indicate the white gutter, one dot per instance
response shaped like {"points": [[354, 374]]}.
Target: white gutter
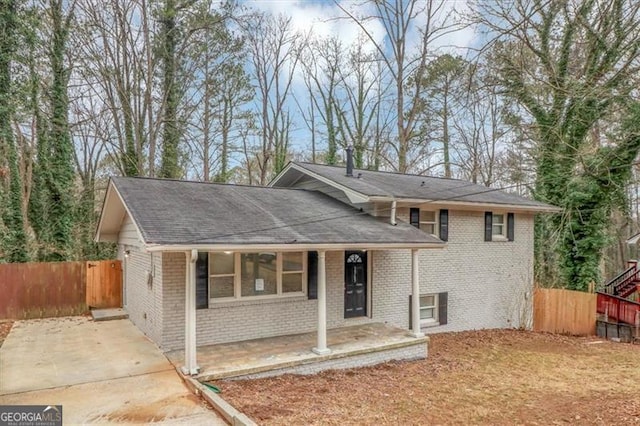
{"points": [[290, 247], [393, 213]]}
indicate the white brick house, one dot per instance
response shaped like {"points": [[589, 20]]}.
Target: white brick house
{"points": [[251, 259]]}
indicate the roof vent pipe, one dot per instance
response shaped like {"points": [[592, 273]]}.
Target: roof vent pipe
{"points": [[350, 161]]}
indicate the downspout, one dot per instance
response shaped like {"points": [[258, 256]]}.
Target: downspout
{"points": [[393, 213]]}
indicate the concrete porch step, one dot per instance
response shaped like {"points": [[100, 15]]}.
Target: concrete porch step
{"points": [[108, 314]]}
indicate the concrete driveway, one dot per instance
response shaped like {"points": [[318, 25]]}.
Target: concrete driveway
{"points": [[101, 372]]}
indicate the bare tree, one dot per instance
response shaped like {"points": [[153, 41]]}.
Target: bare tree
{"points": [[275, 50], [430, 20], [217, 90], [117, 64], [359, 108], [321, 64]]}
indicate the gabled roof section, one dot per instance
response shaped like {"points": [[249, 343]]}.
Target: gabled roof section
{"points": [[196, 214], [375, 185], [112, 216]]}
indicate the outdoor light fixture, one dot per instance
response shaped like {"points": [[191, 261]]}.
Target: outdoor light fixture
{"points": [[126, 253], [228, 252]]}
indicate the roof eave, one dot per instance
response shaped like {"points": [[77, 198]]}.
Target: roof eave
{"points": [[470, 205], [292, 247]]}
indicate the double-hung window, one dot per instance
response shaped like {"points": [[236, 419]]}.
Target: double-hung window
{"points": [[497, 225], [426, 220], [428, 309], [432, 222], [292, 272], [222, 273], [433, 309]]}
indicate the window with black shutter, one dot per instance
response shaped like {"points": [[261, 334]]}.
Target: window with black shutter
{"points": [[433, 309], [202, 280], [510, 226], [499, 226], [414, 217], [312, 275], [443, 226], [443, 301], [488, 226]]}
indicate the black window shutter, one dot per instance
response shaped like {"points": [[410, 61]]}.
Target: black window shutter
{"points": [[488, 226], [510, 226], [414, 216], [410, 311], [202, 280], [312, 275], [442, 307], [444, 225]]}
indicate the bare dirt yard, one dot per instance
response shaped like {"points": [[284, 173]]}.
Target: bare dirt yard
{"points": [[493, 377]]}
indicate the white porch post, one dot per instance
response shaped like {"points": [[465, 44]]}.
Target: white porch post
{"points": [[321, 348], [415, 295], [190, 365]]}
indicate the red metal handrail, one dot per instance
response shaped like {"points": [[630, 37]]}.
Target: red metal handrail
{"points": [[618, 308]]}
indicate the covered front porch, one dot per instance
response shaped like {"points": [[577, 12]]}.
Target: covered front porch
{"points": [[318, 349], [352, 346]]}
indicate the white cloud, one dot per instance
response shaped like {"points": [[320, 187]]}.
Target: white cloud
{"points": [[322, 18]]}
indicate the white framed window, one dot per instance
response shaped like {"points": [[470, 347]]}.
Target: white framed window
{"points": [[428, 309], [425, 220], [498, 225], [234, 276], [292, 272], [222, 275], [428, 221]]}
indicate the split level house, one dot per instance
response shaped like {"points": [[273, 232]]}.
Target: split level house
{"points": [[322, 247]]}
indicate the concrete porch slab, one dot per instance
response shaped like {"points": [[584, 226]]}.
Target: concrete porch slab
{"points": [[350, 347], [109, 314]]}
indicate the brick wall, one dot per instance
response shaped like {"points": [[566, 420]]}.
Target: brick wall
{"points": [[143, 300], [251, 319], [489, 286]]}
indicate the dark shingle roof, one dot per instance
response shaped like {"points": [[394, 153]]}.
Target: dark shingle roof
{"points": [[181, 212], [399, 185]]}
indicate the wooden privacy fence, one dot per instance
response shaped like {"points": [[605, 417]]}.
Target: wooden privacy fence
{"points": [[41, 290], [104, 284], [564, 311]]}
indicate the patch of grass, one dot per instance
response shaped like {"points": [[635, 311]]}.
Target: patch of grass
{"points": [[478, 377]]}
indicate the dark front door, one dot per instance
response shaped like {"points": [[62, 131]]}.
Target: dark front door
{"points": [[355, 284]]}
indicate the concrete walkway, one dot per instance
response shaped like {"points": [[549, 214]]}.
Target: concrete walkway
{"points": [[101, 372]]}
